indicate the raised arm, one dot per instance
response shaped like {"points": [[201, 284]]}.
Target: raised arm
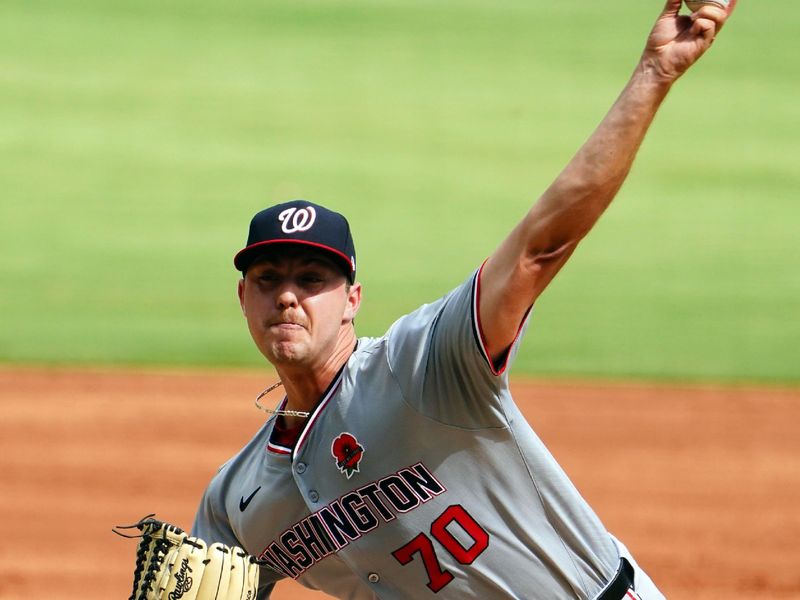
{"points": [[528, 259]]}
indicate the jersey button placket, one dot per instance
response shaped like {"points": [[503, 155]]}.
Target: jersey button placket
{"points": [[305, 480]]}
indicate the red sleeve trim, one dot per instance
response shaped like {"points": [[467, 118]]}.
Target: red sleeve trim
{"points": [[497, 369]]}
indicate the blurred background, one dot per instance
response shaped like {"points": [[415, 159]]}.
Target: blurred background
{"points": [[138, 137]]}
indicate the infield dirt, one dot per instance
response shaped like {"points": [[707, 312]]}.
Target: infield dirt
{"points": [[701, 483]]}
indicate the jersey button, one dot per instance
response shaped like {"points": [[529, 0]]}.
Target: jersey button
{"points": [[373, 578], [313, 495], [301, 467]]}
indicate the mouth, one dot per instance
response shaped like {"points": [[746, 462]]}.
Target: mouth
{"points": [[286, 326]]}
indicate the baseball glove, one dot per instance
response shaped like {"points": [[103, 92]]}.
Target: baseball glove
{"points": [[171, 565]]}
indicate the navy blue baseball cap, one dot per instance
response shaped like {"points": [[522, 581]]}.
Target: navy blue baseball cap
{"points": [[300, 222]]}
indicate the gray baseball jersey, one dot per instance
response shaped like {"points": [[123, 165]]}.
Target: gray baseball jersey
{"points": [[416, 475]]}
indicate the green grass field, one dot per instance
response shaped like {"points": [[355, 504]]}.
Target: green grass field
{"points": [[138, 137]]}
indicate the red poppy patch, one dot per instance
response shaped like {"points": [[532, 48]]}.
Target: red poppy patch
{"points": [[347, 452]]}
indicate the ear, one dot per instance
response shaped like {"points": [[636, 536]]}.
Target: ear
{"points": [[240, 291], [353, 303]]}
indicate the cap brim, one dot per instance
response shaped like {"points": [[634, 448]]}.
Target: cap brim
{"points": [[245, 257]]}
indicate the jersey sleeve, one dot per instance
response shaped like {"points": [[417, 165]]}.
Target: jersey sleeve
{"points": [[211, 525], [438, 357]]}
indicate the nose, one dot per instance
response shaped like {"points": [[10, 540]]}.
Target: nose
{"points": [[287, 297]]}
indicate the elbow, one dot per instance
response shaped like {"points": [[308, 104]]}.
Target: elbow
{"points": [[538, 259], [536, 262], [563, 217]]}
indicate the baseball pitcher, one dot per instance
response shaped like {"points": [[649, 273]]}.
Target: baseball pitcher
{"points": [[399, 467]]}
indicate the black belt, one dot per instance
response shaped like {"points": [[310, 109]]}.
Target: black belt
{"points": [[622, 582]]}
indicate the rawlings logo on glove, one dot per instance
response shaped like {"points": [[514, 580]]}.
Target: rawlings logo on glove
{"points": [[171, 565], [183, 583]]}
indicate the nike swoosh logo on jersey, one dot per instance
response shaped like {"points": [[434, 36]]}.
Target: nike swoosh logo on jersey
{"points": [[243, 503]]}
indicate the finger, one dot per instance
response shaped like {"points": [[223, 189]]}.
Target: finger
{"points": [[704, 28], [709, 13], [716, 13], [672, 8], [728, 12]]}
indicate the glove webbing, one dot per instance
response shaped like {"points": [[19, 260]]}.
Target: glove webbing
{"points": [[160, 546], [141, 555], [156, 540]]}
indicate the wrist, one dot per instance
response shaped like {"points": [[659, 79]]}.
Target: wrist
{"points": [[650, 76]]}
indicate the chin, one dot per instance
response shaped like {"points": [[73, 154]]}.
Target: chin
{"points": [[286, 353]]}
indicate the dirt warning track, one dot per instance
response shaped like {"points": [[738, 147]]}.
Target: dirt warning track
{"points": [[701, 483]]}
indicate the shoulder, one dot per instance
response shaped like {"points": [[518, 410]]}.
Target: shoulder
{"points": [[458, 301]]}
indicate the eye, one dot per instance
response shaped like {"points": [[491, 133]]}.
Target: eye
{"points": [[268, 277], [312, 278]]}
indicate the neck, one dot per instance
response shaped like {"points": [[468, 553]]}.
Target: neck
{"points": [[305, 384]]}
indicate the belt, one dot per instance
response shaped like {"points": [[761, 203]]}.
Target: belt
{"points": [[622, 582]]}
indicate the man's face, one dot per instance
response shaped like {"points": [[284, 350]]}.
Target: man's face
{"points": [[296, 302]]}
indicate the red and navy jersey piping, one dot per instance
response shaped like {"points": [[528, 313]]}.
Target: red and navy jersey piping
{"points": [[273, 445]]}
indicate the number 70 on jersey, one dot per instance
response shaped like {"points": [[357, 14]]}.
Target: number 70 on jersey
{"points": [[423, 544]]}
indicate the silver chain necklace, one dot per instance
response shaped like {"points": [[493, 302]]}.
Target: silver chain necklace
{"points": [[274, 411]]}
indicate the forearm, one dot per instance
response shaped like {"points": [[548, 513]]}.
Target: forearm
{"points": [[575, 200], [528, 259], [572, 204]]}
